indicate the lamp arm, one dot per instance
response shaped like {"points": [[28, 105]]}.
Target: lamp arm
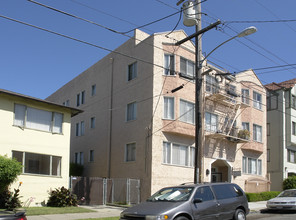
{"points": [[216, 49]]}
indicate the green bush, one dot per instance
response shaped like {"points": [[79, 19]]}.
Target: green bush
{"points": [[9, 170], [289, 183], [10, 200], [62, 197], [263, 196], [76, 169]]}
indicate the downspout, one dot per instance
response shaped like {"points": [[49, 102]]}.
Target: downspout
{"points": [[110, 119]]}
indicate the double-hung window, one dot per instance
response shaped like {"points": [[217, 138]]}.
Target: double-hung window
{"points": [[212, 85], [169, 65], [169, 108], [257, 133], [38, 119], [245, 96], [257, 100], [187, 112], [80, 98], [131, 111], [291, 156], [130, 152], [132, 71], [252, 166], [211, 122], [177, 154], [187, 67]]}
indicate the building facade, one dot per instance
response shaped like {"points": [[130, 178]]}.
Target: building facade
{"points": [[139, 121], [281, 131], [37, 134]]}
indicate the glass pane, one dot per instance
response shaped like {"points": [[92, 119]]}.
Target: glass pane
{"points": [[19, 115], [58, 123], [18, 156], [37, 164], [56, 166], [38, 119]]}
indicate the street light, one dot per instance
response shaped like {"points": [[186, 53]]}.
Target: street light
{"points": [[244, 33], [199, 142]]}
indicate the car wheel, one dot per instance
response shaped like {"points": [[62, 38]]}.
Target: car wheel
{"points": [[239, 215], [181, 218]]}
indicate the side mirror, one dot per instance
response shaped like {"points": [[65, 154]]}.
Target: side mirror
{"points": [[197, 200]]}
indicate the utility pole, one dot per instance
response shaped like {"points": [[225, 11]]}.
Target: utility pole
{"points": [[199, 110]]}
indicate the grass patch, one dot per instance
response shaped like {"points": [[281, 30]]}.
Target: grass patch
{"points": [[110, 218], [55, 210]]}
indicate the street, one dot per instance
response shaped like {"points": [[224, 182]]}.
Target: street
{"points": [[264, 214]]}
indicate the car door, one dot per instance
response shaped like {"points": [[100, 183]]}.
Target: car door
{"points": [[204, 204]]}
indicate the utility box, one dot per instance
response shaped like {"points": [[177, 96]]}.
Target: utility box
{"points": [[190, 13]]}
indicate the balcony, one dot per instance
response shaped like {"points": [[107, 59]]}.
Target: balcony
{"points": [[234, 134], [227, 97]]}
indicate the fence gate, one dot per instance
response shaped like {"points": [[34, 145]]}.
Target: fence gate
{"points": [[100, 191]]}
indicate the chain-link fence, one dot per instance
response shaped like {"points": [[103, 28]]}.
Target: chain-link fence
{"points": [[100, 191]]}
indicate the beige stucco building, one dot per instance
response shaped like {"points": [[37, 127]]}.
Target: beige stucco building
{"points": [[281, 136], [138, 120], [37, 134]]}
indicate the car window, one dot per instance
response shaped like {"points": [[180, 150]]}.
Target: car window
{"points": [[172, 194], [288, 193], [204, 193], [226, 191]]}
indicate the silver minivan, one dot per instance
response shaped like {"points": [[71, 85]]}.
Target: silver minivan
{"points": [[189, 202]]}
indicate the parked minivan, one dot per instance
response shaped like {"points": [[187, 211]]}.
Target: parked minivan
{"points": [[189, 202]]}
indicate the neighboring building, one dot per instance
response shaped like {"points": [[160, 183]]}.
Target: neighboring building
{"points": [[37, 134], [281, 131], [136, 124]]}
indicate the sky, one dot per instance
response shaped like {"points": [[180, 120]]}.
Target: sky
{"points": [[37, 62]]}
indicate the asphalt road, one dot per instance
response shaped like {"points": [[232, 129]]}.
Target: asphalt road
{"points": [[268, 215]]}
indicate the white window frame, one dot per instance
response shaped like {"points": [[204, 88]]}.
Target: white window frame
{"points": [[213, 119], [257, 100], [291, 156], [169, 69], [187, 111], [173, 152], [188, 64], [38, 119], [130, 152], [169, 108], [251, 166], [132, 71], [257, 133], [131, 111], [212, 85], [246, 96]]}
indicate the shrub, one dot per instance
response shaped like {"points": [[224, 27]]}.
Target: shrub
{"points": [[61, 197], [263, 196], [10, 200], [9, 170], [76, 169], [289, 183]]}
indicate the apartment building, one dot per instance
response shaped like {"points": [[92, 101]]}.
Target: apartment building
{"points": [[281, 131], [139, 121], [37, 133]]}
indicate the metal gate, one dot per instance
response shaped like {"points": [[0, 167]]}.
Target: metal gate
{"points": [[100, 191]]}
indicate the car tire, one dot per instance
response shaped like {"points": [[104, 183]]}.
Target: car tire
{"points": [[181, 218], [239, 215]]}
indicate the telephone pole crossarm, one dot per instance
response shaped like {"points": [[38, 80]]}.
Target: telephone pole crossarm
{"points": [[211, 26]]}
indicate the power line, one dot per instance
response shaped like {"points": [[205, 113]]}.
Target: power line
{"points": [[266, 21]]}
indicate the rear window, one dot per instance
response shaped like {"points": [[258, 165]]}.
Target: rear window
{"points": [[226, 191]]}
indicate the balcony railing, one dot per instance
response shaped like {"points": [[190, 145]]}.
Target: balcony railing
{"points": [[233, 134]]}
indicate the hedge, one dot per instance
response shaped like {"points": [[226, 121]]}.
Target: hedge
{"points": [[263, 196]]}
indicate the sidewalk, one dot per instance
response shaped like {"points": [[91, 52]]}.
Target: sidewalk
{"points": [[112, 211]]}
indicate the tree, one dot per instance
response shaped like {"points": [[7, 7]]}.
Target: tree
{"points": [[9, 170]]}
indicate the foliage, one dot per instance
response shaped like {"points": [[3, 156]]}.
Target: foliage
{"points": [[245, 134], [9, 170], [263, 196], [62, 197], [10, 200], [76, 169], [289, 183]]}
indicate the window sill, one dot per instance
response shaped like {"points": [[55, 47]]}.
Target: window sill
{"points": [[175, 165], [41, 175]]}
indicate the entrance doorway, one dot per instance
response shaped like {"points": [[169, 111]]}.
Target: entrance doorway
{"points": [[220, 171]]}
